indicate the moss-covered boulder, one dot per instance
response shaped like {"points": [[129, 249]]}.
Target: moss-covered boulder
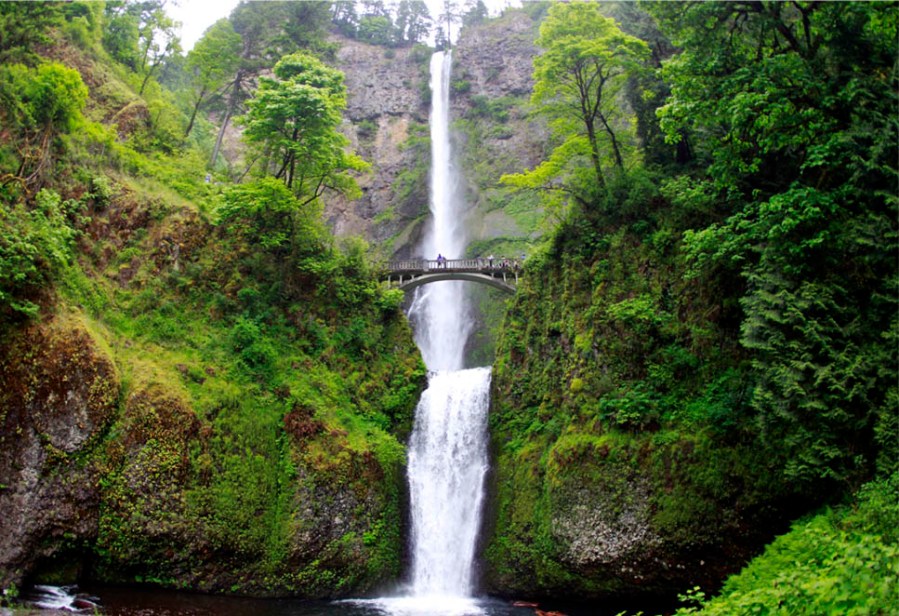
{"points": [[262, 499], [626, 462], [59, 391]]}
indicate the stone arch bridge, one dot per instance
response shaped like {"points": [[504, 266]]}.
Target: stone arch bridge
{"points": [[498, 273]]}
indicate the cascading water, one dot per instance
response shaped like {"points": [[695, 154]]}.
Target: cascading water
{"points": [[447, 463], [448, 447], [438, 310]]}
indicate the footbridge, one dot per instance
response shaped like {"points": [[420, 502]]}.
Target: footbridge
{"points": [[498, 273]]}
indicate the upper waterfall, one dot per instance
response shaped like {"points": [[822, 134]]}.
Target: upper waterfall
{"points": [[439, 311]]}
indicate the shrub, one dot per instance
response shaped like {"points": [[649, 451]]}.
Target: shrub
{"points": [[34, 244]]}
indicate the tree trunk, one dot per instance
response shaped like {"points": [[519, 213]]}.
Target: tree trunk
{"points": [[619, 161], [594, 154], [232, 106], [193, 115], [146, 79]]}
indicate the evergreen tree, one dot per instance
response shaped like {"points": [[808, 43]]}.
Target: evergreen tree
{"points": [[792, 108]]}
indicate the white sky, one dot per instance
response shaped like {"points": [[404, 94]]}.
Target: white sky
{"points": [[197, 15]]}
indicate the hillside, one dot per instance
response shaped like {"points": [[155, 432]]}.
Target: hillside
{"points": [[703, 349], [200, 387]]}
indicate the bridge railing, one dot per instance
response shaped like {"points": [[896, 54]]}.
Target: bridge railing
{"points": [[481, 264]]}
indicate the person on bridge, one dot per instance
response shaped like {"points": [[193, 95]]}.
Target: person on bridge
{"points": [[441, 261], [490, 261]]}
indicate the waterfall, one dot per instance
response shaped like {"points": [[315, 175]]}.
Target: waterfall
{"points": [[439, 310], [448, 448], [447, 460], [447, 463]]}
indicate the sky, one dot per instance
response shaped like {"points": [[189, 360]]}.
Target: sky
{"points": [[197, 15]]}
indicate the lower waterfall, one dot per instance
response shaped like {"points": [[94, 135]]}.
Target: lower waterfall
{"points": [[447, 465]]}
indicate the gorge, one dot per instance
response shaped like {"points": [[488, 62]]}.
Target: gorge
{"points": [[204, 386]]}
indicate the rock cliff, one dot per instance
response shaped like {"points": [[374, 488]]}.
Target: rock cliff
{"points": [[59, 390], [387, 123], [493, 134], [388, 96], [605, 485], [132, 450]]}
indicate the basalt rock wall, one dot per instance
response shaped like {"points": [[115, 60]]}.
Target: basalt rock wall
{"points": [[59, 390], [387, 123]]}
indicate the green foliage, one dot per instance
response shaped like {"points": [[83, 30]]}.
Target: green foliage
{"points": [[39, 104], [586, 61], [211, 63], [35, 244], [267, 214], [294, 117], [795, 162], [735, 316], [264, 366], [24, 25], [829, 564]]}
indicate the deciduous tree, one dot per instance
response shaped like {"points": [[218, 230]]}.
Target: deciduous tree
{"points": [[211, 62], [294, 118], [578, 78]]}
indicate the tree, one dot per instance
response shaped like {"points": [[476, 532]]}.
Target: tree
{"points": [[577, 81], [121, 32], [23, 25], [39, 105], [294, 118], [475, 12], [268, 31], [158, 40], [792, 107], [211, 62], [376, 29], [451, 14], [413, 22], [344, 16]]}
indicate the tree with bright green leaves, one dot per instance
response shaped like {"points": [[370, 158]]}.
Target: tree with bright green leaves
{"points": [[791, 112], [578, 84], [39, 105], [293, 118], [158, 40], [121, 32], [268, 31], [211, 63]]}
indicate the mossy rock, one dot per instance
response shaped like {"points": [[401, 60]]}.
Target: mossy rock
{"points": [[59, 393]]}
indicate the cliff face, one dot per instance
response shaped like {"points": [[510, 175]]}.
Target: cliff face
{"points": [[606, 483], [59, 393], [493, 135], [148, 434], [387, 123], [388, 98]]}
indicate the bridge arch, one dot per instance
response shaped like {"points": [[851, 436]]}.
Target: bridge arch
{"points": [[500, 274], [496, 283]]}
